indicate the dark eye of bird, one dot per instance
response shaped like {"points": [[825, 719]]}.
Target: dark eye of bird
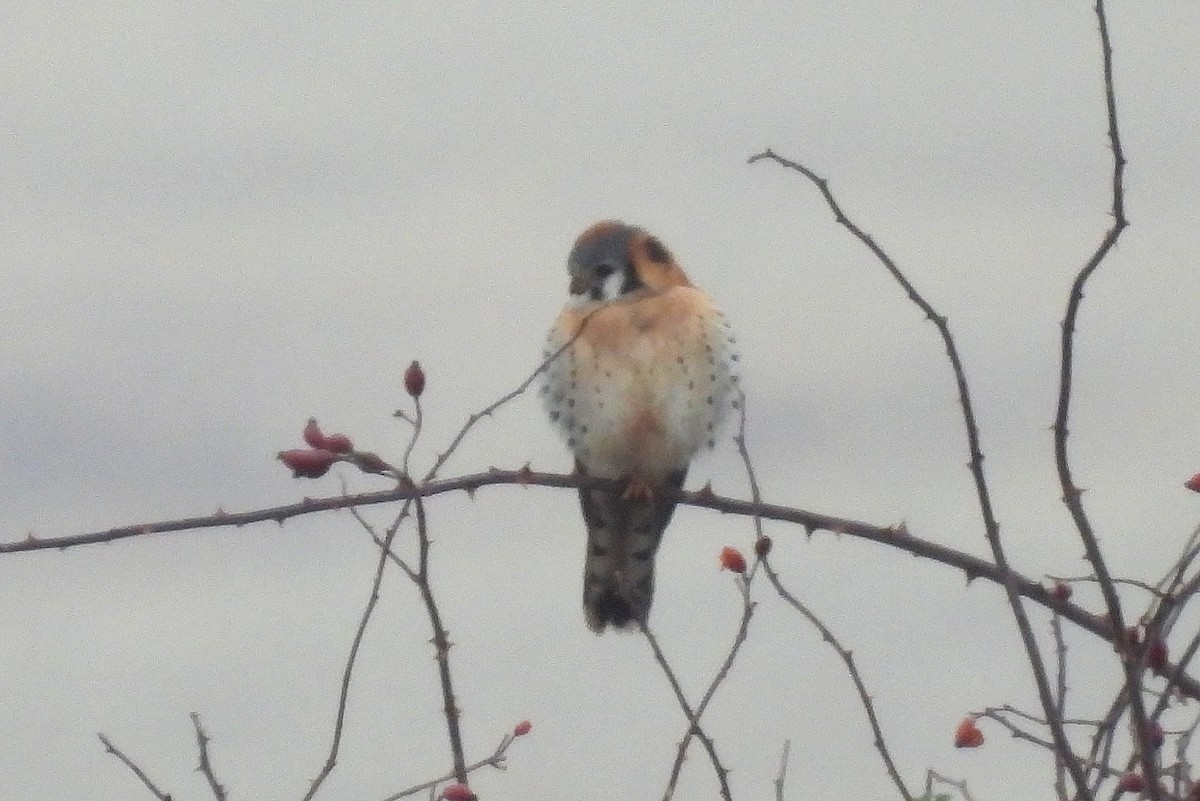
{"points": [[632, 282], [604, 270]]}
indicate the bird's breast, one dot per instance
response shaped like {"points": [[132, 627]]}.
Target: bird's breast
{"points": [[643, 385]]}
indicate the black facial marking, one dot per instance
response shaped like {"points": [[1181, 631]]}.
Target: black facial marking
{"points": [[656, 252], [631, 282]]}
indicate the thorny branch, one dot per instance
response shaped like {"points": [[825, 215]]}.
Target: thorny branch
{"points": [[496, 760], [1072, 496], [441, 647], [692, 715], [848, 658], [348, 671], [781, 777], [975, 464], [1132, 666], [205, 768], [129, 763], [960, 785], [891, 536]]}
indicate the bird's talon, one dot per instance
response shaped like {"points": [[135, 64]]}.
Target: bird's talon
{"points": [[638, 489]]}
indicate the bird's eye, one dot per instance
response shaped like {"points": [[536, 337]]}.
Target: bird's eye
{"points": [[604, 271]]}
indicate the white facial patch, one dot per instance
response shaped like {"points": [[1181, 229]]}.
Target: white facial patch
{"points": [[610, 289]]}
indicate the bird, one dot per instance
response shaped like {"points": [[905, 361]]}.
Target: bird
{"points": [[639, 373]]}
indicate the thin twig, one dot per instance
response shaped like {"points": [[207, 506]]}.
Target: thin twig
{"points": [[491, 408], [693, 718], [205, 767], [351, 660], [137, 771], [722, 672], [1141, 585], [416, 434], [847, 657], [782, 775], [497, 760], [441, 648], [744, 452], [1071, 494], [957, 784], [998, 714], [1060, 706]]}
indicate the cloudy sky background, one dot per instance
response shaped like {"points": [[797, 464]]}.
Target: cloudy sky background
{"points": [[218, 220]]}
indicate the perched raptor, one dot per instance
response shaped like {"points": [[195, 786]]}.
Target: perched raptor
{"points": [[643, 380]]}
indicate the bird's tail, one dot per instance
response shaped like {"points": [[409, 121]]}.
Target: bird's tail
{"points": [[623, 538]]}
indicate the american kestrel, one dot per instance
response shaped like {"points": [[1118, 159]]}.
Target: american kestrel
{"points": [[643, 381]]}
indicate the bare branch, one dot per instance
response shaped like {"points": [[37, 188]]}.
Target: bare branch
{"points": [[441, 648], [205, 767], [1071, 494], [497, 760], [975, 464], [129, 763], [1060, 706], [693, 717], [351, 659], [892, 536], [722, 672], [848, 658], [417, 420], [782, 775], [491, 408], [960, 785]]}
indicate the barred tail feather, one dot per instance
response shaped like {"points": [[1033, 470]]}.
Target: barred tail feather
{"points": [[623, 538]]}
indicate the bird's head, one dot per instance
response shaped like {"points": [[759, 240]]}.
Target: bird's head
{"points": [[612, 260]]}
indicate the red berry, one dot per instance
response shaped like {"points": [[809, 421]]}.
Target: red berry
{"points": [[1131, 783], [313, 435], [1156, 655], [522, 728], [414, 379], [968, 735], [458, 792], [762, 545], [1193, 483], [338, 443], [1061, 591], [305, 463], [732, 559]]}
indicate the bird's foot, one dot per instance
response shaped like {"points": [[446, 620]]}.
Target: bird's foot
{"points": [[638, 489]]}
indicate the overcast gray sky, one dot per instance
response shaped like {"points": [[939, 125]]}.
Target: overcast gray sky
{"points": [[219, 219]]}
